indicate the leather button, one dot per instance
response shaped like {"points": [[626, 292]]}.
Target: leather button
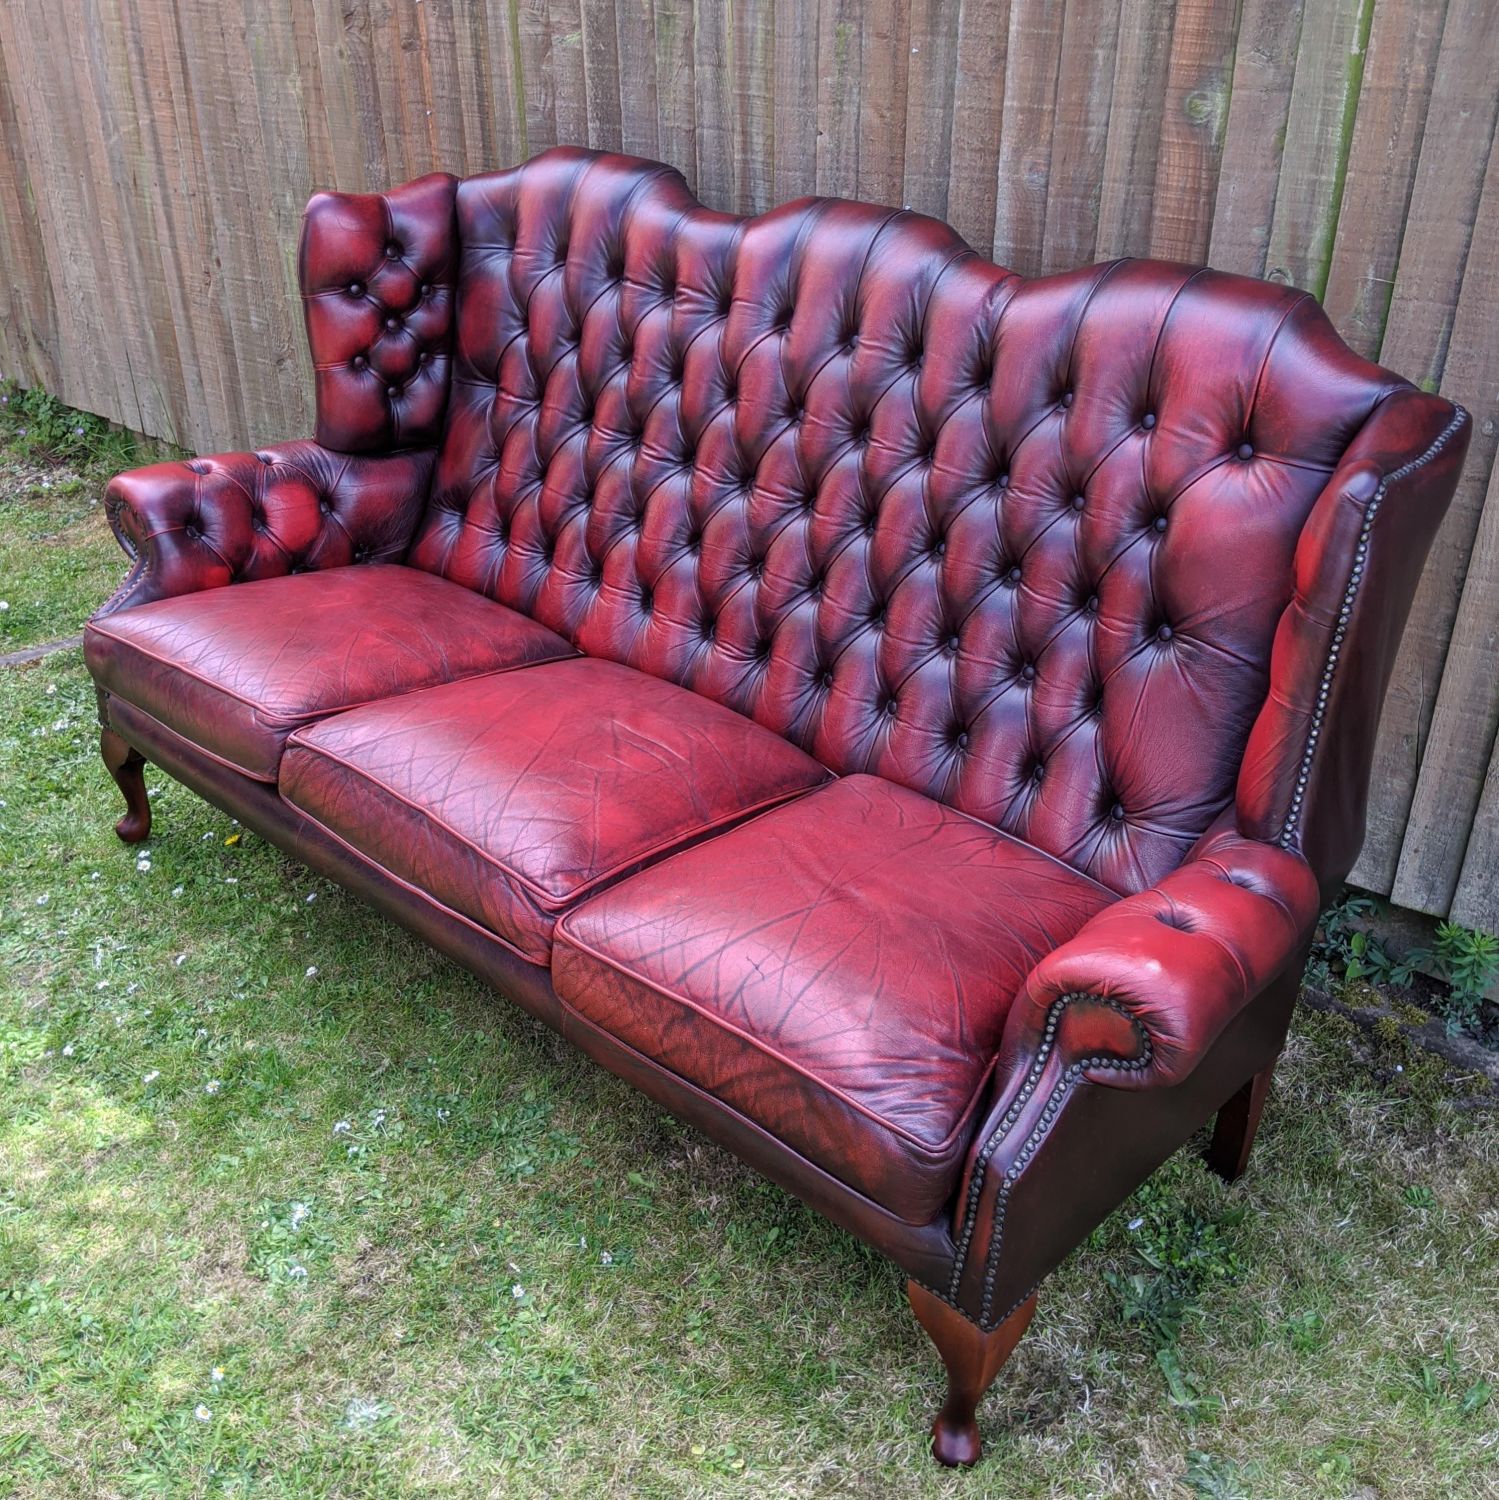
{"points": [[1013, 576], [1092, 605], [1078, 502], [359, 361], [392, 251], [953, 643], [962, 741], [1028, 671], [1116, 812], [1003, 481], [1164, 633], [826, 679], [192, 531], [392, 324], [1148, 420], [1246, 450], [1159, 523], [1067, 398], [392, 391], [425, 289], [356, 289]]}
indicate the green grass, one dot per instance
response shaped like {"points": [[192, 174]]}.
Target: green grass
{"points": [[290, 1206], [58, 559]]}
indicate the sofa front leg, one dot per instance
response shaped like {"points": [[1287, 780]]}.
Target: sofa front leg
{"points": [[126, 764], [973, 1358], [1234, 1131]]}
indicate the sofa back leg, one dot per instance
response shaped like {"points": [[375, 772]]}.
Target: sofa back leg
{"points": [[973, 1358], [126, 764], [1238, 1120]]}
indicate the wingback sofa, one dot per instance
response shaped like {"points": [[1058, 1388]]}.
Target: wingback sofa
{"points": [[901, 716]]}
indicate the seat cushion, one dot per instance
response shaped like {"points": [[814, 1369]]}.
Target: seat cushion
{"points": [[236, 670], [510, 798], [837, 971]]}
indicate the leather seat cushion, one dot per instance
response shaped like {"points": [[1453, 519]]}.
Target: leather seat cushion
{"points": [[510, 798], [837, 971], [236, 670]]}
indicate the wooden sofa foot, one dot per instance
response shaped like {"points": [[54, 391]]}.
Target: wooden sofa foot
{"points": [[973, 1358], [126, 764], [1238, 1120]]}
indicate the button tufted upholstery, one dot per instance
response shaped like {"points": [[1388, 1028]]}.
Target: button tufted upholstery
{"points": [[377, 290], [236, 517], [1086, 590], [838, 970], [512, 798], [237, 670], [1018, 546]]}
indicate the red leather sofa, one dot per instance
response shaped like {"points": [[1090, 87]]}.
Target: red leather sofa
{"points": [[901, 716]]}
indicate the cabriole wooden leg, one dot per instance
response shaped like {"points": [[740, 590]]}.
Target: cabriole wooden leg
{"points": [[1233, 1134], [126, 766], [973, 1358]]}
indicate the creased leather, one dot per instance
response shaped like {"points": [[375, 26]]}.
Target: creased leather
{"points": [[1021, 546], [510, 798], [236, 670], [838, 970]]}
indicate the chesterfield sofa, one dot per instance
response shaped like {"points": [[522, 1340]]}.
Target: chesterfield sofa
{"points": [[901, 716]]}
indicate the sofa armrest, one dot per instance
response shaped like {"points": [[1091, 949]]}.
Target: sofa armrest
{"points": [[208, 522], [1135, 1001]]}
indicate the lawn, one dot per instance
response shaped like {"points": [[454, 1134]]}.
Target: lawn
{"points": [[291, 1206]]}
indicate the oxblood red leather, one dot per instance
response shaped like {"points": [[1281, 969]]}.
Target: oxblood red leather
{"points": [[377, 289], [241, 516], [997, 540], [511, 798], [237, 670], [1086, 587], [838, 971]]}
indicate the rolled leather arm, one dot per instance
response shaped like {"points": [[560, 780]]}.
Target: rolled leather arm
{"points": [[208, 522], [1134, 1001]]}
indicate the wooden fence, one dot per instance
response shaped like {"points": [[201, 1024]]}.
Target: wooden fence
{"points": [[155, 156]]}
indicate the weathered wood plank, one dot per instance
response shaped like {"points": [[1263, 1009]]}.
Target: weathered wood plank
{"points": [[601, 75], [884, 67], [635, 24], [676, 105], [838, 58], [794, 173], [1079, 133], [1456, 616], [1451, 851], [1197, 96], [977, 116], [1137, 98], [1255, 136], [1033, 58], [754, 105], [1319, 133], [716, 179], [1382, 161], [929, 105], [569, 75], [1444, 203]]}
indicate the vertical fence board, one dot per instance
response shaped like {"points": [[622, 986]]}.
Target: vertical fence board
{"points": [[1198, 81], [1319, 131], [1455, 149], [1033, 60], [1080, 131], [929, 105], [977, 112], [1382, 167], [1136, 100], [796, 71]]}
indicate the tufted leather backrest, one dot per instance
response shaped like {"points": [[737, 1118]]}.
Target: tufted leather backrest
{"points": [[1020, 545], [377, 272]]}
